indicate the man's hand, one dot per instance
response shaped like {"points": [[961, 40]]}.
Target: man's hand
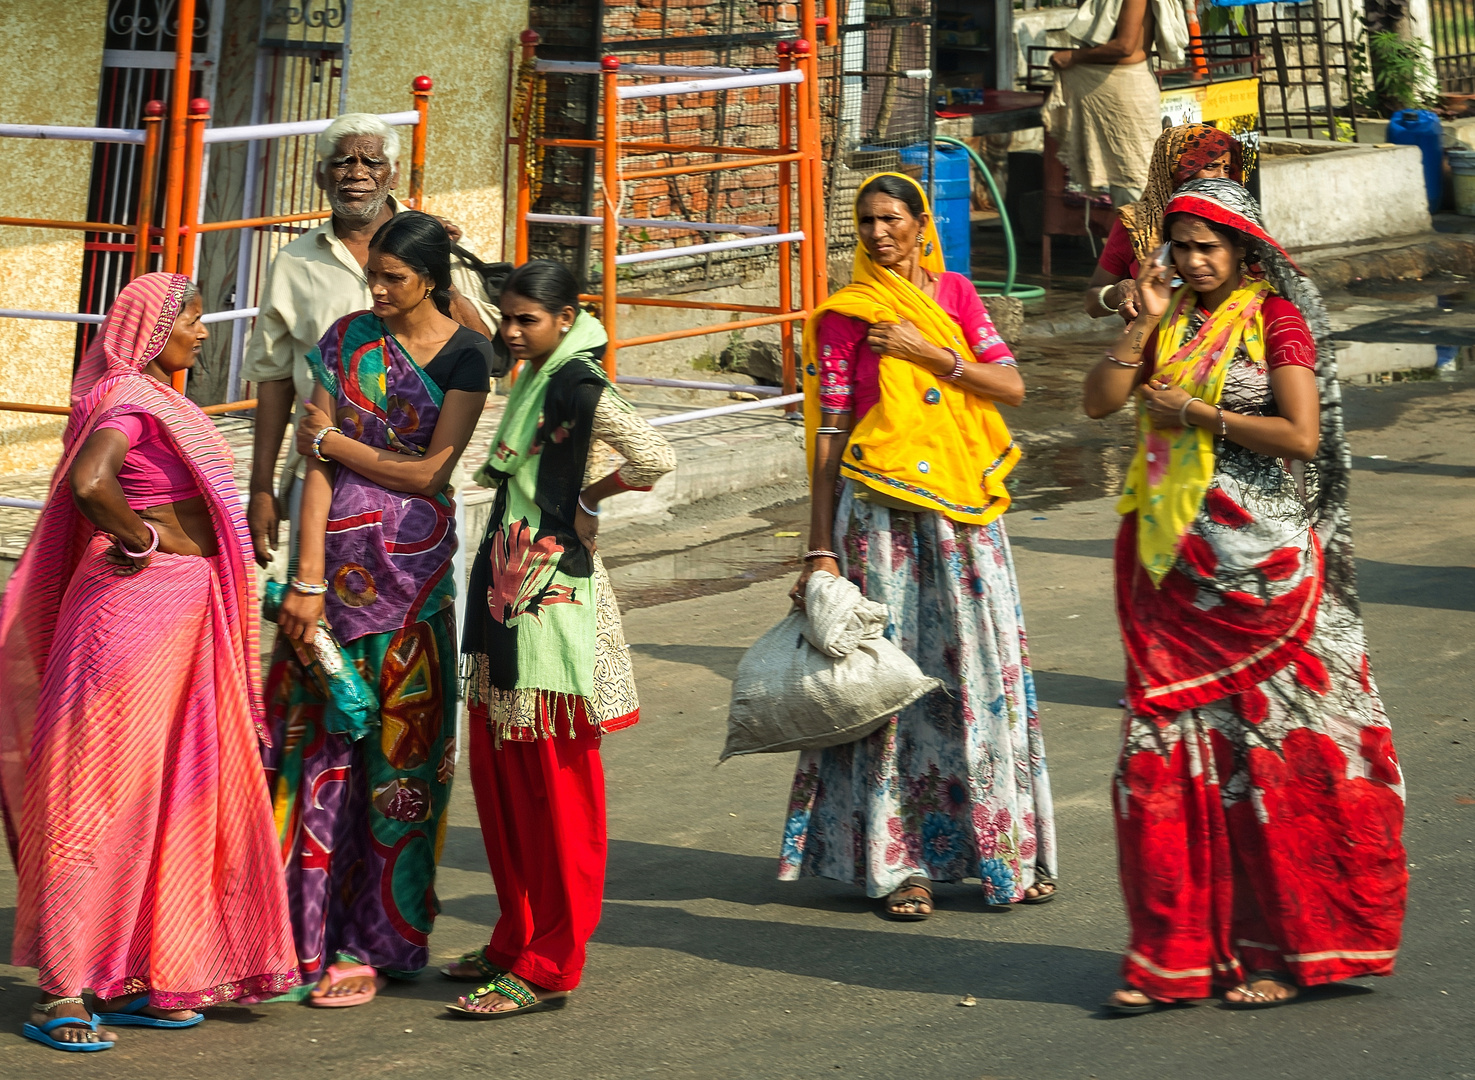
{"points": [[1062, 59], [452, 229], [262, 520]]}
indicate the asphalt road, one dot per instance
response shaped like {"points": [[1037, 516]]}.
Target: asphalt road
{"points": [[706, 966]]}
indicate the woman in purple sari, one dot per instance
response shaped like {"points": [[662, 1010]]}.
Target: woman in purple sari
{"points": [[361, 807]]}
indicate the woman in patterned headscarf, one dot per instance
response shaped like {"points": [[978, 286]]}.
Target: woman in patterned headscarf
{"points": [[131, 709], [1183, 153], [1258, 800]]}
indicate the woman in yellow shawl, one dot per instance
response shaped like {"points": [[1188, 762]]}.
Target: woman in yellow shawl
{"points": [[1258, 801], [909, 453]]}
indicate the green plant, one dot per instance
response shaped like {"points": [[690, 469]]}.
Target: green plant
{"points": [[1396, 73]]}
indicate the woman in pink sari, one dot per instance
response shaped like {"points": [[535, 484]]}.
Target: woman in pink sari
{"points": [[134, 803]]}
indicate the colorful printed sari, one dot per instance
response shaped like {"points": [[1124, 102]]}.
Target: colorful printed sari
{"points": [[134, 804], [955, 785], [361, 816], [1259, 802]]}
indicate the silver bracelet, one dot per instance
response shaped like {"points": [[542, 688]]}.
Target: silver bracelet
{"points": [[957, 372], [832, 431], [1183, 412], [1101, 300], [821, 553], [1123, 363], [591, 513], [308, 588], [1223, 423]]}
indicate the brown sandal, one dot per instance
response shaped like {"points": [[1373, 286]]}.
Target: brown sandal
{"points": [[912, 886]]}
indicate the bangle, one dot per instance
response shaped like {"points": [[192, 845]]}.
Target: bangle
{"points": [[821, 553], [832, 431], [1223, 423], [1101, 300], [317, 442], [957, 372], [307, 588], [1123, 363], [144, 554], [1183, 412], [591, 513]]}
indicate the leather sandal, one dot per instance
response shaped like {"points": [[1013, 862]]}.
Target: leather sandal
{"points": [[895, 900], [1258, 999]]}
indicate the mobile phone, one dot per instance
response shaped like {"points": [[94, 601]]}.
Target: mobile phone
{"points": [[1160, 256]]}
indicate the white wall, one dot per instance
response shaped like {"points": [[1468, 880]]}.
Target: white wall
{"points": [[1350, 194]]}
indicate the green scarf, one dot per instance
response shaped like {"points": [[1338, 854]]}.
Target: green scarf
{"points": [[550, 614]]}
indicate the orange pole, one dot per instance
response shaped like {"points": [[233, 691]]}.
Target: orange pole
{"points": [[711, 166], [194, 170], [153, 115], [810, 143], [785, 222], [79, 226], [696, 305], [178, 111], [23, 406], [421, 87], [529, 41], [250, 223], [715, 328], [832, 22], [1196, 43], [610, 66], [809, 246]]}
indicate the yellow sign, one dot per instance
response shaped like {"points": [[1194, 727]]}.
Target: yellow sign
{"points": [[1222, 100]]}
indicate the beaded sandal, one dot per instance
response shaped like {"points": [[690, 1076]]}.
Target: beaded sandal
{"points": [[514, 991]]}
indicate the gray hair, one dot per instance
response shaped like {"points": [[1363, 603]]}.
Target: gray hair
{"points": [[358, 123], [191, 291]]}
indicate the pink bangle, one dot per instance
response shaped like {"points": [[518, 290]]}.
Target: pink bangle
{"points": [[957, 372], [147, 551]]}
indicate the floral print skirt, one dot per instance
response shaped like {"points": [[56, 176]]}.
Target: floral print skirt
{"points": [[955, 785]]}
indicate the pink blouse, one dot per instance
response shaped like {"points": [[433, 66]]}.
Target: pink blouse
{"points": [[850, 371], [153, 473]]}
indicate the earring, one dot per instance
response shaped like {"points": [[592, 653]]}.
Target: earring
{"points": [[563, 330], [921, 237], [428, 292]]}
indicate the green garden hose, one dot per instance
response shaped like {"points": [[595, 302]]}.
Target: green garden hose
{"points": [[1006, 287]]}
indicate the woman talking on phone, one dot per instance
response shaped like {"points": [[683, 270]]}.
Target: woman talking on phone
{"points": [[1258, 800]]}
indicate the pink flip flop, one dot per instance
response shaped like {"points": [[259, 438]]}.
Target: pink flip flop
{"points": [[318, 999]]}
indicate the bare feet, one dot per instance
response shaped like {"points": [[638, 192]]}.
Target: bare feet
{"points": [[69, 1007], [1261, 991], [120, 1004], [497, 1002]]}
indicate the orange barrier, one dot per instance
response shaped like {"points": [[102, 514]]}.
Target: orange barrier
{"points": [[797, 158]]}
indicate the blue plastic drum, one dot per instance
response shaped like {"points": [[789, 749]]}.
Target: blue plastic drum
{"points": [[951, 202], [1421, 128]]}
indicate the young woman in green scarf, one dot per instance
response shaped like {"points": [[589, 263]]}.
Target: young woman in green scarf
{"points": [[548, 669]]}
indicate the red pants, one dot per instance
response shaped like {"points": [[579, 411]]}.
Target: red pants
{"points": [[541, 806]]}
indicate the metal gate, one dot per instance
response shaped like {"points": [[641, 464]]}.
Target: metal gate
{"points": [[1453, 30], [138, 67], [1306, 54]]}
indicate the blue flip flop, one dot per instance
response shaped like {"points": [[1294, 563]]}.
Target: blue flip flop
{"points": [[41, 1033], [131, 1015]]}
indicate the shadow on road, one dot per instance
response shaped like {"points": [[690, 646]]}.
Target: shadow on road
{"points": [[1061, 688], [1448, 587], [719, 659]]}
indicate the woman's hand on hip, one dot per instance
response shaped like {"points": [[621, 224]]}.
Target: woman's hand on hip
{"points": [[825, 563], [1164, 403], [312, 421], [586, 525], [904, 341], [299, 616]]}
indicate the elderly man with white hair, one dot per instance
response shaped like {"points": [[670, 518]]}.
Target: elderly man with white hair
{"points": [[314, 281]]}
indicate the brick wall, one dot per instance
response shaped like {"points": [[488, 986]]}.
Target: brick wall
{"points": [[737, 33]]}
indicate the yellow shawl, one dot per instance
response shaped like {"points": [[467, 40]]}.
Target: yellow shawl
{"points": [[927, 442], [1170, 474]]}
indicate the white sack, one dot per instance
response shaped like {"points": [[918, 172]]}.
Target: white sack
{"points": [[821, 679]]}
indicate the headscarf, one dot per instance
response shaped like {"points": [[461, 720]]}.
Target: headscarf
{"points": [[1178, 153], [1326, 476], [111, 382], [927, 441], [135, 333]]}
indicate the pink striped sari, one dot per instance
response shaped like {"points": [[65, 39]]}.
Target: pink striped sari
{"points": [[134, 802]]}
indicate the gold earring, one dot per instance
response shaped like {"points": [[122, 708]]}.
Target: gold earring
{"points": [[428, 292]]}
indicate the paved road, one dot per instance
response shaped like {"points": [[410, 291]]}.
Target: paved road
{"points": [[705, 966]]}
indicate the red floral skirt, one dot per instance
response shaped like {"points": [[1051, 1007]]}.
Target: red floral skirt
{"points": [[1258, 827]]}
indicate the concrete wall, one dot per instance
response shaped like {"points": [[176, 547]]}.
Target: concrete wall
{"points": [[1317, 193], [41, 270], [464, 46]]}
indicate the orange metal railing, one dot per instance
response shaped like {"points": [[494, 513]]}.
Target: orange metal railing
{"points": [[799, 168]]}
